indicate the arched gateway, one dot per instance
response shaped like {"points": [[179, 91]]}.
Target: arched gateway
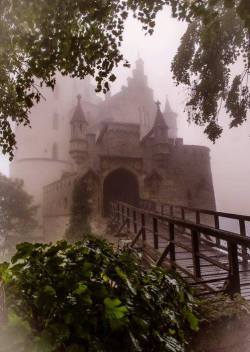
{"points": [[121, 185]]}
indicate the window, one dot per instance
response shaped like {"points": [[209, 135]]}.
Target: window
{"points": [[55, 152], [55, 122]]}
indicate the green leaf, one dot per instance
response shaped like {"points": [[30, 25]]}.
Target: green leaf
{"points": [[192, 320], [23, 251], [82, 288], [124, 277], [114, 310], [49, 290]]}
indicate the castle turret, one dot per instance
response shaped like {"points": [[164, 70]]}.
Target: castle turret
{"points": [[160, 131], [78, 142], [139, 77]]}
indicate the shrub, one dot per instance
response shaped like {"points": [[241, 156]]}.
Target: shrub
{"points": [[88, 297]]}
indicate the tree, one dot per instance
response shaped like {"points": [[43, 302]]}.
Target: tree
{"points": [[217, 37], [16, 213], [79, 224], [83, 37]]}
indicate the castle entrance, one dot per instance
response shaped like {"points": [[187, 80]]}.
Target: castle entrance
{"points": [[121, 185]]}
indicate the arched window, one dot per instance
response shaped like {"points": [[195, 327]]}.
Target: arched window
{"points": [[55, 152], [55, 122]]}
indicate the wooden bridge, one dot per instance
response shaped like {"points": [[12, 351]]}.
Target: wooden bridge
{"points": [[190, 241]]}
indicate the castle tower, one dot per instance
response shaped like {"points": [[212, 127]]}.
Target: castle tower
{"points": [[42, 155], [78, 141], [160, 132], [134, 103], [139, 78]]}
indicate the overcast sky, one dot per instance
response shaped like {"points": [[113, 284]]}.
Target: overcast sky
{"points": [[229, 156]]}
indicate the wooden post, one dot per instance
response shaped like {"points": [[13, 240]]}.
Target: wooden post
{"points": [[182, 213], [118, 212], [234, 276], [111, 210], [217, 226], [171, 240], [197, 217], [123, 214], [162, 209], [134, 221], [244, 248], [195, 253], [3, 309], [155, 232], [128, 219], [171, 210], [143, 223]]}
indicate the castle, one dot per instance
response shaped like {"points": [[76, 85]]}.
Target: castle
{"points": [[123, 146]]}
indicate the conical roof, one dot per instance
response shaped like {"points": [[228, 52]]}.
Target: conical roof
{"points": [[140, 65], [168, 109], [78, 115], [159, 119]]}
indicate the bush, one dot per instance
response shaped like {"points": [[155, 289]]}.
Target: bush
{"points": [[88, 297]]}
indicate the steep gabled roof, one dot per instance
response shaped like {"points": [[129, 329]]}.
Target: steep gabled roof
{"points": [[159, 122], [78, 115]]}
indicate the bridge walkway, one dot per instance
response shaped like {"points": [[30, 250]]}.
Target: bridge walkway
{"points": [[209, 259]]}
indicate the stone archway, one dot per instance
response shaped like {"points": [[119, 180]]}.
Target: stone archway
{"points": [[121, 185]]}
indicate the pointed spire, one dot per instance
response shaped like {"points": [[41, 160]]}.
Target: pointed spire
{"points": [[159, 119], [168, 108], [140, 65], [78, 115], [167, 105]]}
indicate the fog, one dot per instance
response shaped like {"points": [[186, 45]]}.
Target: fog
{"points": [[229, 156]]}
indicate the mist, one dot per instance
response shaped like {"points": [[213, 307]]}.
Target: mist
{"points": [[229, 155], [104, 189]]}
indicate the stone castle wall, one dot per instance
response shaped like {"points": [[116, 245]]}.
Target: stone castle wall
{"points": [[185, 178], [126, 131], [57, 200]]}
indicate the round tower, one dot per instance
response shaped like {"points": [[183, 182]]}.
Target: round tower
{"points": [[42, 155]]}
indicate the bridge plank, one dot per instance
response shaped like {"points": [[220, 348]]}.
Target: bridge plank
{"points": [[212, 260]]}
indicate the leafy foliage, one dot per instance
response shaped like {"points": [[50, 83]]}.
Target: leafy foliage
{"points": [[217, 38], [16, 213], [87, 297], [83, 37], [80, 212]]}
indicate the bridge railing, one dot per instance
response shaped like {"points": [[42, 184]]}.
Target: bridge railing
{"points": [[211, 218], [146, 223], [3, 313]]}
